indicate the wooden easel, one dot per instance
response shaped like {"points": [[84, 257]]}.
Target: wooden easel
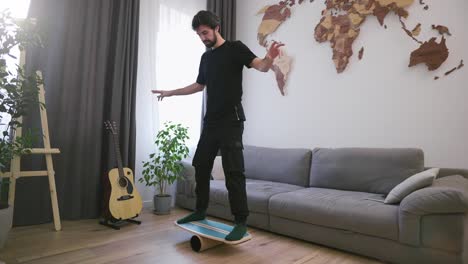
{"points": [[15, 168]]}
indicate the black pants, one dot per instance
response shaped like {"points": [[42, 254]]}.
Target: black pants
{"points": [[228, 138]]}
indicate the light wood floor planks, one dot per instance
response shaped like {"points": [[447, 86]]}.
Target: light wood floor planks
{"points": [[156, 240]]}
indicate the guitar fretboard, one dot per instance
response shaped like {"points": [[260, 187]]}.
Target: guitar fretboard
{"points": [[118, 155]]}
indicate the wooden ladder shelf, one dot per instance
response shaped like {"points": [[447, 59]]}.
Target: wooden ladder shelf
{"points": [[15, 168]]}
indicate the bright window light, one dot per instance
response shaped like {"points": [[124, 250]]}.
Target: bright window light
{"points": [[179, 50], [18, 8]]}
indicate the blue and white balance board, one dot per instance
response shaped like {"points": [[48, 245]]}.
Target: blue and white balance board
{"points": [[208, 233]]}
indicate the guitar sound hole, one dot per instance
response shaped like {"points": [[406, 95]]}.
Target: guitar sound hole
{"points": [[123, 182]]}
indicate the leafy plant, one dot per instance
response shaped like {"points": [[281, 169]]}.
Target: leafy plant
{"points": [[18, 90], [164, 166]]}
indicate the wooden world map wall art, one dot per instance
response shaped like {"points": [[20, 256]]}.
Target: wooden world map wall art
{"points": [[340, 26]]}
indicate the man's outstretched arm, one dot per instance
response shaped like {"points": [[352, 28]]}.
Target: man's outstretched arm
{"points": [[264, 64], [190, 89]]}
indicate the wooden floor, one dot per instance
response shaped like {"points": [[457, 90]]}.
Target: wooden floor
{"points": [[156, 240]]}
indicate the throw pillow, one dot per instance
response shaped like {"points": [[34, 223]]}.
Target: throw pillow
{"points": [[411, 184]]}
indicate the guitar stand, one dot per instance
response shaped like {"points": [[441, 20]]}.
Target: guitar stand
{"points": [[116, 224]]}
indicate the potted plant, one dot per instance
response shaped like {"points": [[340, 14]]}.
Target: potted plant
{"points": [[164, 166], [18, 91]]}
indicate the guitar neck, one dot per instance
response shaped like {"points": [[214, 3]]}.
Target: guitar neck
{"points": [[118, 155]]}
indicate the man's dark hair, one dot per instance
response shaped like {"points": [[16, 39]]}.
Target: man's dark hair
{"points": [[205, 18]]}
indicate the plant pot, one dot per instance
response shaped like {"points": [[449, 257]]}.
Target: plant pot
{"points": [[162, 204], [6, 219]]}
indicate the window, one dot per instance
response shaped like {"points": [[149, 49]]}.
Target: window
{"points": [[169, 56], [178, 53], [169, 53], [18, 9]]}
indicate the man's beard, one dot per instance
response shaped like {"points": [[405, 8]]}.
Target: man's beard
{"points": [[209, 44]]}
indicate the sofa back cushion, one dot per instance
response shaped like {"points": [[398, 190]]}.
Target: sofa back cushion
{"points": [[290, 166], [373, 170]]}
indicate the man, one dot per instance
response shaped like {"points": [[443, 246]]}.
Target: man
{"points": [[221, 72]]}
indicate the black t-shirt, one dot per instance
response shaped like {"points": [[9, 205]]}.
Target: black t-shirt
{"points": [[221, 71]]}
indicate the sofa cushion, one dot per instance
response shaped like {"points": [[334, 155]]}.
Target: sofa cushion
{"points": [[371, 170], [413, 183], [258, 193], [218, 172], [291, 166], [358, 212]]}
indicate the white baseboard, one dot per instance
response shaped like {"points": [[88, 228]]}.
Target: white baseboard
{"points": [[146, 205]]}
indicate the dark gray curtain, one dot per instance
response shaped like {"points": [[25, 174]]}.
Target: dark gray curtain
{"points": [[89, 64], [226, 11]]}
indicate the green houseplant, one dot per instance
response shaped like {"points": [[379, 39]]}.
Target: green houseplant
{"points": [[164, 167], [18, 91]]}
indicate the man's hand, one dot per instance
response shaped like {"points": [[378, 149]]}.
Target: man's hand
{"points": [[264, 64], [162, 94], [274, 50]]}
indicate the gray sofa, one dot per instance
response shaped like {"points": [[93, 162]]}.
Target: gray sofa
{"points": [[334, 197]]}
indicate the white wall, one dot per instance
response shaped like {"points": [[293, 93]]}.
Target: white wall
{"points": [[376, 102]]}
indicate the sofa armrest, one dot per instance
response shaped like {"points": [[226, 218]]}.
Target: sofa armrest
{"points": [[188, 173], [435, 200], [186, 183], [448, 195]]}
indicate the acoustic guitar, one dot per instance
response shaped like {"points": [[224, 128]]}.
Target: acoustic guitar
{"points": [[125, 202]]}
